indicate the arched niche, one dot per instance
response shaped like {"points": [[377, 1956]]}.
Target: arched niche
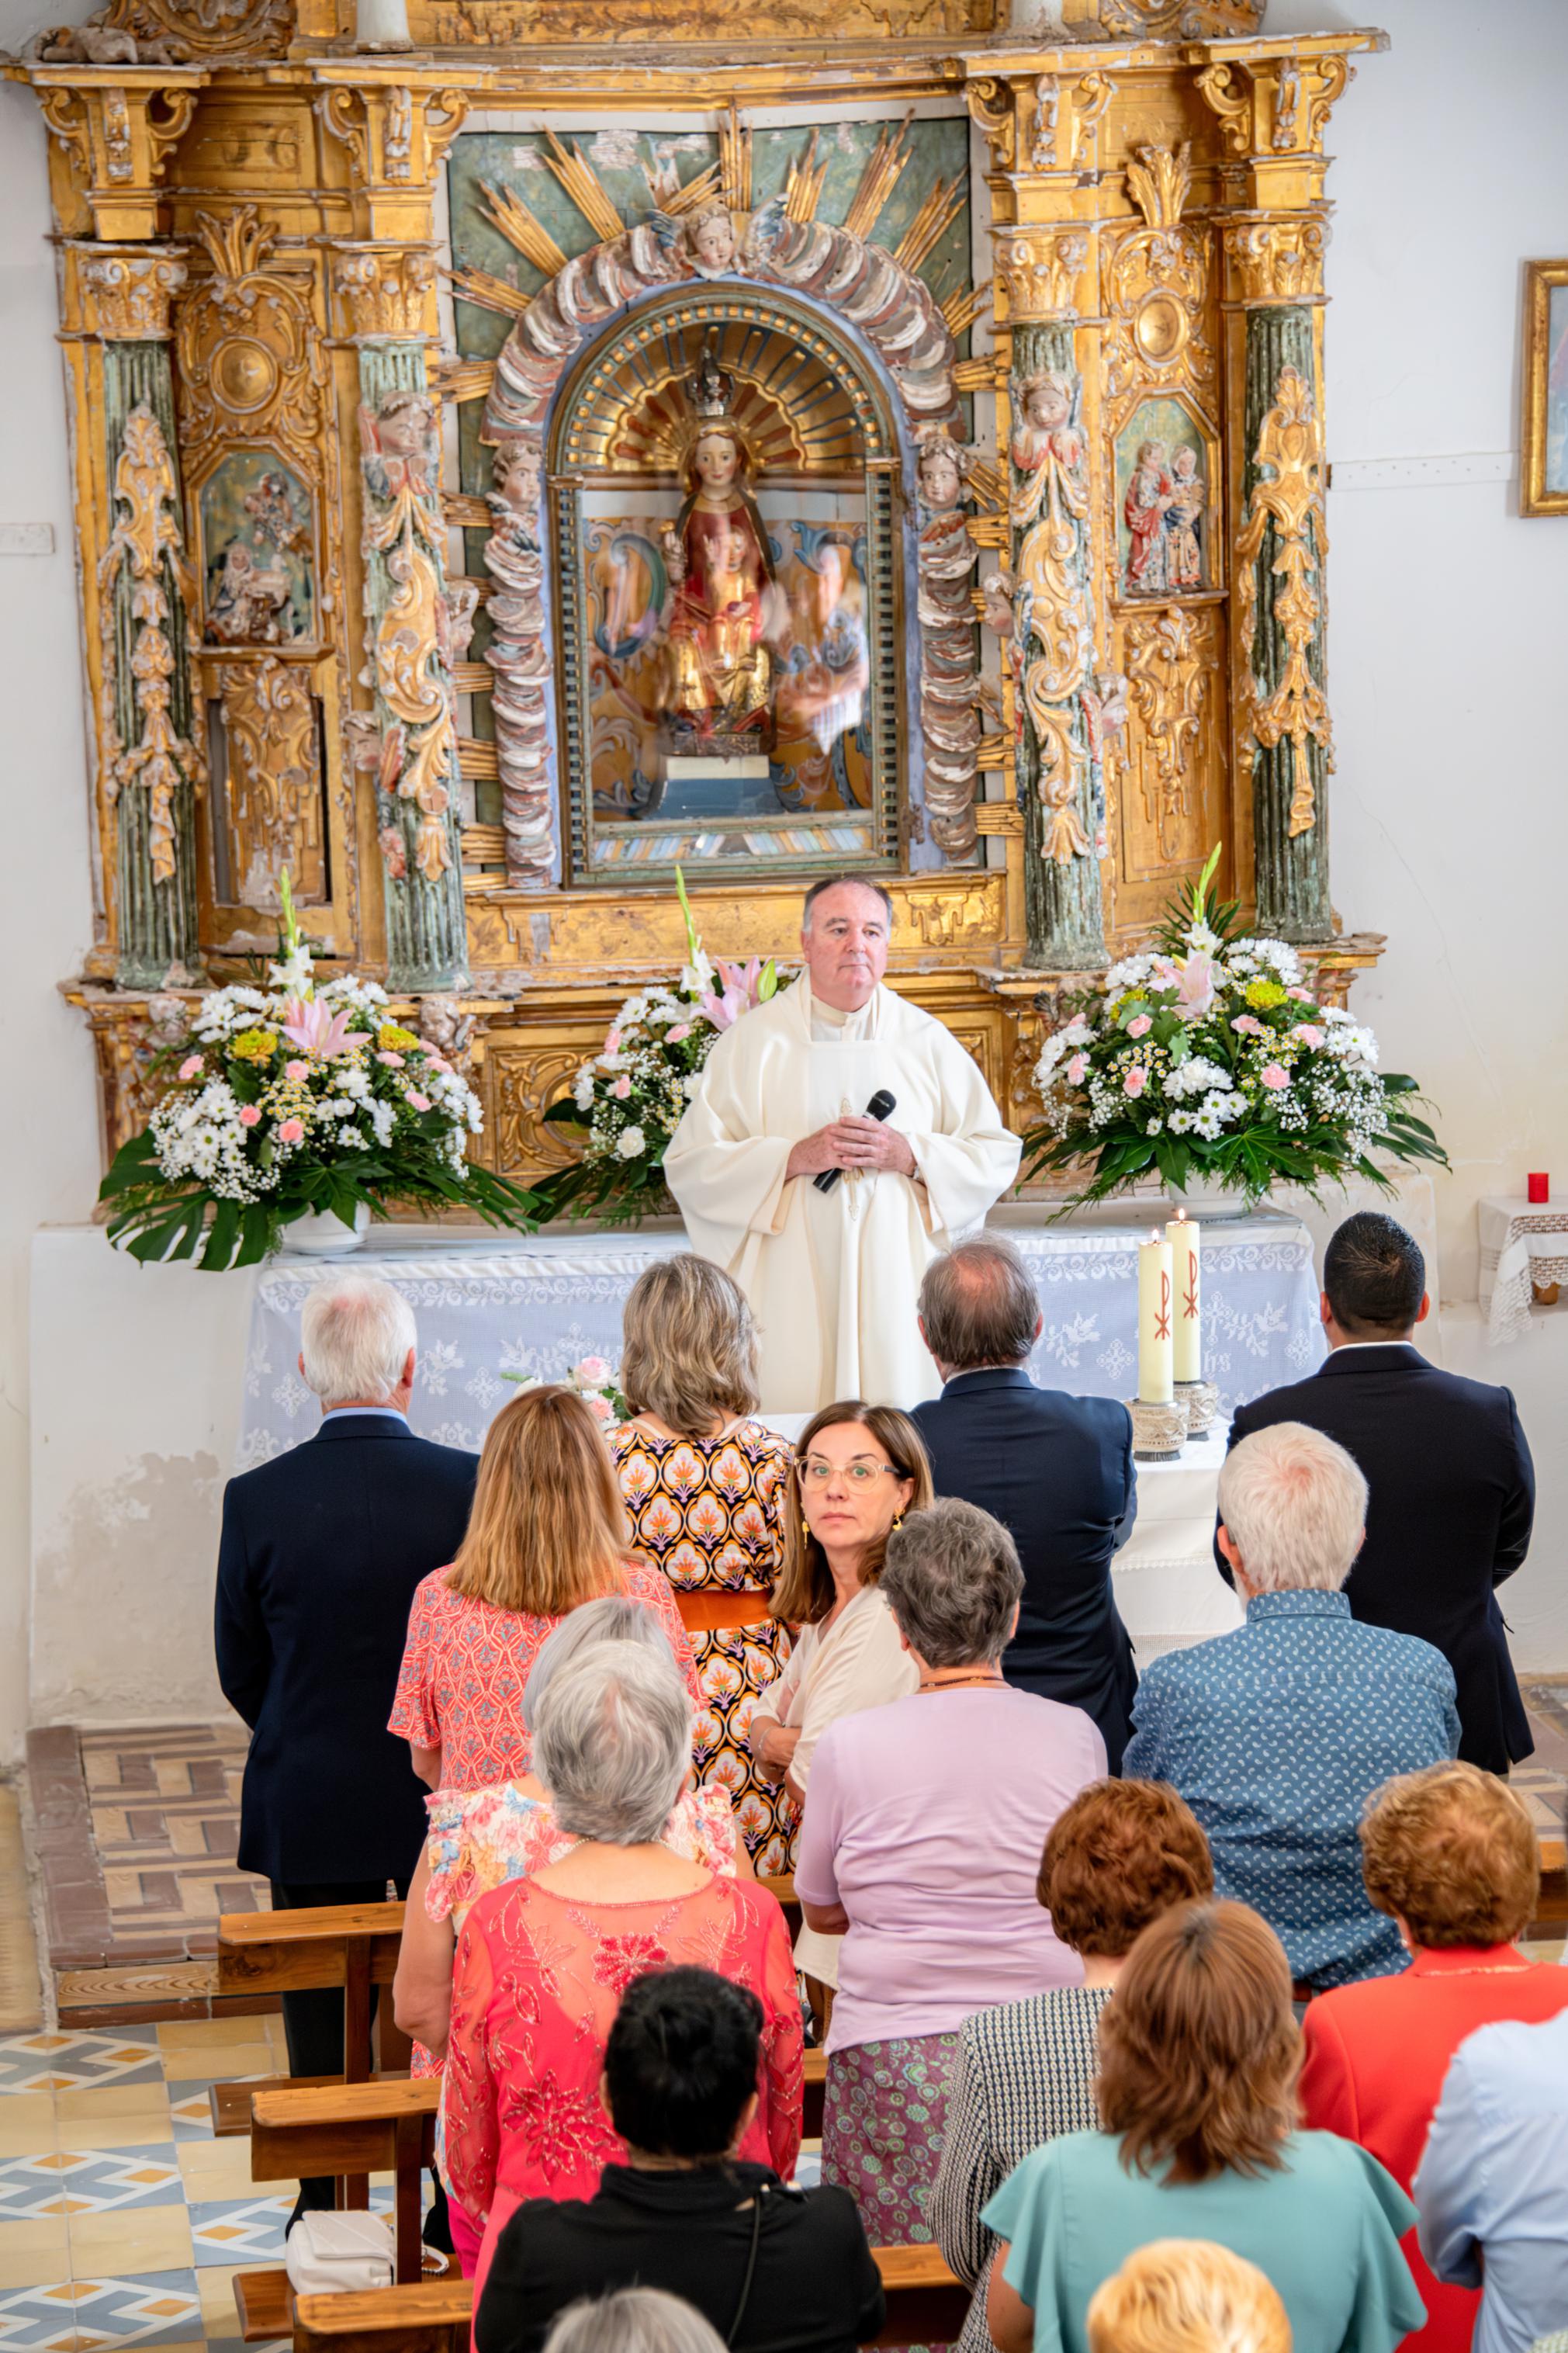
{"points": [[825, 464]]}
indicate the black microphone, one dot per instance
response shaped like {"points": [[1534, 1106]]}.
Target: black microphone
{"points": [[880, 1105]]}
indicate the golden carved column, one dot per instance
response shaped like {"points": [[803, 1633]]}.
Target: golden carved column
{"points": [[1044, 132], [1272, 105], [390, 125], [119, 124], [139, 603]]}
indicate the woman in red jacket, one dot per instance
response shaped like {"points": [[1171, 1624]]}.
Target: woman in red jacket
{"points": [[1450, 1855]]}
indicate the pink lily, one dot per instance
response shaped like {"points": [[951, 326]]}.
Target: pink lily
{"points": [[308, 1024], [1196, 987], [726, 1010]]}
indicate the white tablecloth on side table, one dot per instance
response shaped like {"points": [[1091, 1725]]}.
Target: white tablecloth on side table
{"points": [[1523, 1244]]}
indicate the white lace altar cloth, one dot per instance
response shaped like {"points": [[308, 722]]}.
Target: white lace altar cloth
{"points": [[539, 1303], [1523, 1244]]}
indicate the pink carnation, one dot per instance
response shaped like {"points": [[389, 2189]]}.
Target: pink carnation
{"points": [[1249, 1025], [249, 1116], [613, 1042], [1308, 1033], [622, 1088], [592, 1372], [1076, 1069], [1135, 1082], [296, 1071], [1140, 1026], [1274, 1077], [393, 1061], [190, 1066], [417, 1102], [291, 1131], [600, 1407], [681, 1030], [1301, 995]]}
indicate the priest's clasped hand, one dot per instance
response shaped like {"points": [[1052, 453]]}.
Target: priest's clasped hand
{"points": [[853, 1142]]}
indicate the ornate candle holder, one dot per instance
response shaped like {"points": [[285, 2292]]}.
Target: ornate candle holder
{"points": [[1159, 1431], [1201, 1399]]}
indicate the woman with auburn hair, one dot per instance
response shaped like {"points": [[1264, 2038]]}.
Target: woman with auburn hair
{"points": [[856, 1470], [546, 1532], [1450, 1855], [1199, 2053], [1119, 1855], [1187, 2296], [704, 1484]]}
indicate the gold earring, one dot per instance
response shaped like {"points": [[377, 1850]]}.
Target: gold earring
{"points": [[804, 1529], [898, 1524]]}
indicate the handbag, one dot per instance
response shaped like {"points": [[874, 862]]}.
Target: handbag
{"points": [[330, 2254]]}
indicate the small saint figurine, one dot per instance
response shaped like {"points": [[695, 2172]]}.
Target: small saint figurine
{"points": [[720, 669], [1150, 495], [1183, 518]]}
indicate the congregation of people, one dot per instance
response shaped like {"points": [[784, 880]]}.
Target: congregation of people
{"points": [[1184, 2010]]}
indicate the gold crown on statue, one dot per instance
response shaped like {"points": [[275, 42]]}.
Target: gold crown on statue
{"points": [[710, 391]]}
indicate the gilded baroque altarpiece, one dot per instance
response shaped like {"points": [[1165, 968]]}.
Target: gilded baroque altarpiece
{"points": [[528, 447]]}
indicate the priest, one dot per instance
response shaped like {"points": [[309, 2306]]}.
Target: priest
{"points": [[832, 1275]]}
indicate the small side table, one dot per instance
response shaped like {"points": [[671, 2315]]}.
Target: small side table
{"points": [[1524, 1257]]}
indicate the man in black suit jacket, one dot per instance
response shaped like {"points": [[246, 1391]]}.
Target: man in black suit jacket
{"points": [[320, 1555], [1452, 1484], [1056, 1471]]}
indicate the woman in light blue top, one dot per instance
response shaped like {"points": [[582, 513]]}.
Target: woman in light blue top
{"points": [[1199, 2053]]}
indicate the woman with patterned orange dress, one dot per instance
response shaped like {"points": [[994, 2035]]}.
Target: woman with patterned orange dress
{"points": [[703, 1485]]}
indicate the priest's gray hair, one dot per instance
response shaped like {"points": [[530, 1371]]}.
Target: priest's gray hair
{"points": [[613, 1744], [845, 882], [952, 1581], [632, 2320], [354, 1336], [613, 1617], [1295, 1505]]}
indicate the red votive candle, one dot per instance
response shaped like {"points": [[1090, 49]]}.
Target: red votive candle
{"points": [[1539, 1189]]}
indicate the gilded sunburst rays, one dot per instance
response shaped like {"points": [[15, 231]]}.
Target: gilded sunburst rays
{"points": [[790, 406]]}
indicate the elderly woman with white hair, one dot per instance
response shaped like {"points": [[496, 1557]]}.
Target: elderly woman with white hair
{"points": [[921, 1847], [1277, 1733], [480, 1839], [542, 1962], [322, 1552]]}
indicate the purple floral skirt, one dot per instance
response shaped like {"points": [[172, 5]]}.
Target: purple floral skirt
{"points": [[884, 2113]]}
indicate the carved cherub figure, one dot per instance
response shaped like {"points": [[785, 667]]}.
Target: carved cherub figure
{"points": [[399, 444], [516, 473], [996, 592], [708, 244], [462, 611], [940, 470], [1044, 428]]}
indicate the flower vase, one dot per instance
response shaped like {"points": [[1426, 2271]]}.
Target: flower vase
{"points": [[321, 1233]]}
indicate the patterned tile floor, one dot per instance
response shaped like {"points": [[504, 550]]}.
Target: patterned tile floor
{"points": [[123, 2220]]}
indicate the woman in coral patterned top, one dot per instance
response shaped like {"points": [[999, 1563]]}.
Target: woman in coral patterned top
{"points": [[704, 1486], [547, 1531], [544, 1962]]}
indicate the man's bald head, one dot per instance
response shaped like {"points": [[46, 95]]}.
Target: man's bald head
{"points": [[845, 928], [979, 1307]]}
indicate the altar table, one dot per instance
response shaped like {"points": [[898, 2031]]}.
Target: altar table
{"points": [[539, 1303]]}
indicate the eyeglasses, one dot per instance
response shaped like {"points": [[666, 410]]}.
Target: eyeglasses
{"points": [[816, 1472]]}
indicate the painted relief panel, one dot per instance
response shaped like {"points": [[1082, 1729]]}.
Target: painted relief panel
{"points": [[1162, 498], [257, 557]]}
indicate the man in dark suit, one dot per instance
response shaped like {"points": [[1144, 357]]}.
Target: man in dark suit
{"points": [[1453, 1487], [320, 1555], [1056, 1471]]}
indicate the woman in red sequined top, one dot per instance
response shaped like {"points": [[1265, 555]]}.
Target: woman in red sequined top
{"points": [[542, 1962]]}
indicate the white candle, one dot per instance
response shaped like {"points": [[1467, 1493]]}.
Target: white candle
{"points": [[1182, 1233], [1156, 1353]]}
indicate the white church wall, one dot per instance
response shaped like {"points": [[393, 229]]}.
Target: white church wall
{"points": [[48, 1119], [1450, 824]]}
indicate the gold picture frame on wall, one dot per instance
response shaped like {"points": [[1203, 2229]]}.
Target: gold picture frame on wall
{"points": [[1544, 452]]}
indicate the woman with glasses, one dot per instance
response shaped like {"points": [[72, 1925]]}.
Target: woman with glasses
{"points": [[920, 1850], [857, 1469]]}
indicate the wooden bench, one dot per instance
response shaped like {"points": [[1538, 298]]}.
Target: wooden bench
{"points": [[354, 1945], [926, 2306]]}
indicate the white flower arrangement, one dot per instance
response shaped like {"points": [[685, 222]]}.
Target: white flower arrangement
{"points": [[294, 1099], [1206, 1057]]}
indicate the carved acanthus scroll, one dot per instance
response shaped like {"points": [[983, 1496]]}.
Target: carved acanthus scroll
{"points": [[1288, 497], [274, 812], [145, 551], [405, 528]]}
